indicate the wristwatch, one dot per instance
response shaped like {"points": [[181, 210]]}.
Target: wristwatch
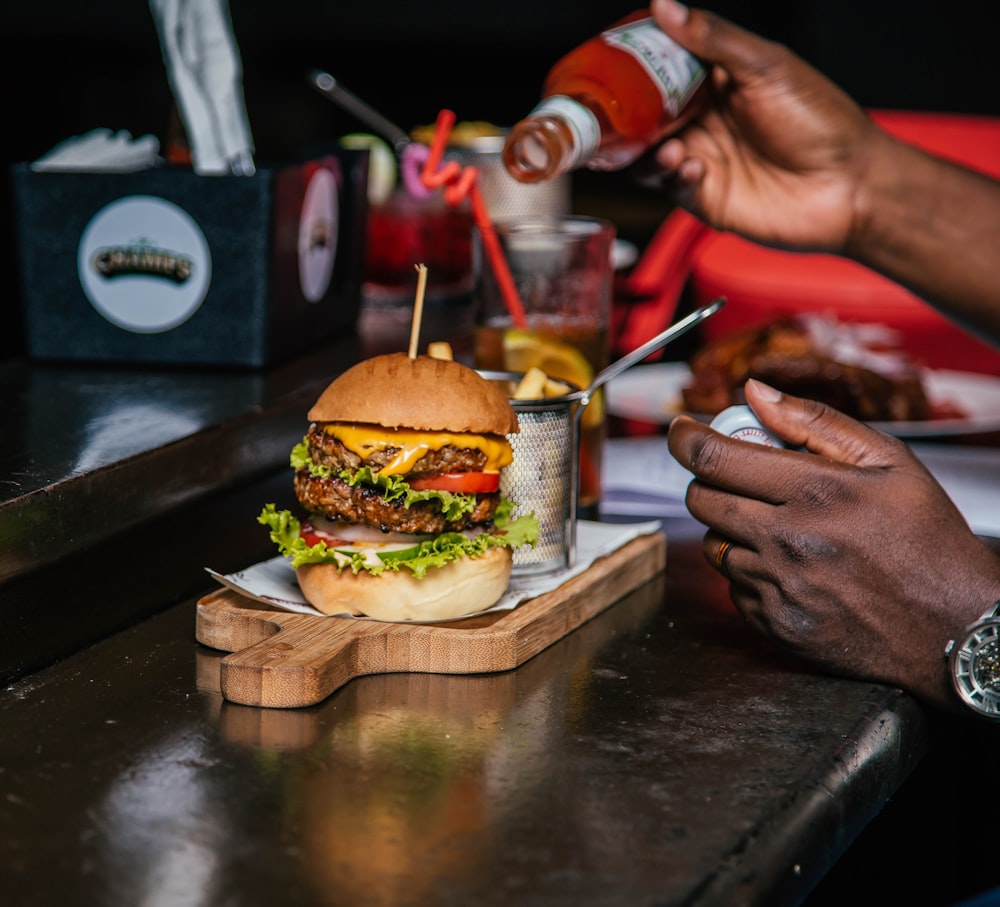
{"points": [[974, 659]]}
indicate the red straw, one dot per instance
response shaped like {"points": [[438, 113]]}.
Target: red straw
{"points": [[458, 184]]}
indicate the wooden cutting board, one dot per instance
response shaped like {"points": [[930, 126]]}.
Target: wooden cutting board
{"points": [[285, 660]]}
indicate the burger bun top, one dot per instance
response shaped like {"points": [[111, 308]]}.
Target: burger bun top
{"points": [[422, 393]]}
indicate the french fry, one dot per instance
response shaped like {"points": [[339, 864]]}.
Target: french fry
{"points": [[536, 385], [531, 385], [439, 349]]}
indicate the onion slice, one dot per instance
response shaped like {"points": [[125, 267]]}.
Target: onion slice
{"points": [[355, 533]]}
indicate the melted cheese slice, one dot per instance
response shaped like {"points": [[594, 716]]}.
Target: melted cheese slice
{"points": [[364, 441]]}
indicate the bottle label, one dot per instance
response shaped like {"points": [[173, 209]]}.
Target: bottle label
{"points": [[581, 121], [673, 70]]}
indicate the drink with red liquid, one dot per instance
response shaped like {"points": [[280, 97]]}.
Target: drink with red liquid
{"points": [[404, 232]]}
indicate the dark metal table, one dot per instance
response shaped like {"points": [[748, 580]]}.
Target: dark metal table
{"points": [[660, 754]]}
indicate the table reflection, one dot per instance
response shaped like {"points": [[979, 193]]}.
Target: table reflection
{"points": [[394, 768]]}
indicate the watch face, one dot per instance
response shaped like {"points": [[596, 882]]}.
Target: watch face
{"points": [[976, 668]]}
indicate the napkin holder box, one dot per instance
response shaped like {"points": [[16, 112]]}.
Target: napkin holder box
{"points": [[166, 266]]}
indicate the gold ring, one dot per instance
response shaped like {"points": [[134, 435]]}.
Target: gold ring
{"points": [[721, 555]]}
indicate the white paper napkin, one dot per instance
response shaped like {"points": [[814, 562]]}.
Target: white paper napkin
{"points": [[101, 151], [273, 581], [206, 75]]}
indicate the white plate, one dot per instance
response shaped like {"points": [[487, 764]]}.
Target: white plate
{"points": [[652, 393], [623, 254]]}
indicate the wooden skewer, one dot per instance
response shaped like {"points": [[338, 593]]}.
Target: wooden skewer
{"points": [[418, 310]]}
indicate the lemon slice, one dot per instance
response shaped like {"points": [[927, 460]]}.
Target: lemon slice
{"points": [[381, 164], [523, 350]]}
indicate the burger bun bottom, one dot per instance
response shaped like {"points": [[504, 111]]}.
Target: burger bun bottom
{"points": [[463, 587]]}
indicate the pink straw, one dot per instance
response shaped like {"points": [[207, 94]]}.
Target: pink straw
{"points": [[458, 184]]}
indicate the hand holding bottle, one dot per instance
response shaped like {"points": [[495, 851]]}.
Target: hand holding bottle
{"points": [[779, 152], [781, 155], [606, 102]]}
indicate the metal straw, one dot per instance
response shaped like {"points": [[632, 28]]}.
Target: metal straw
{"points": [[651, 346], [331, 88]]}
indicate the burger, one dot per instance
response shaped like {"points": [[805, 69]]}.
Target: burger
{"points": [[398, 476]]}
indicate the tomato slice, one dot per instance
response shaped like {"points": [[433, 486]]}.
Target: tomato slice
{"points": [[459, 482], [313, 536]]}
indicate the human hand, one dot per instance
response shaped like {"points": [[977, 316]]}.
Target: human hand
{"points": [[779, 152], [848, 553]]}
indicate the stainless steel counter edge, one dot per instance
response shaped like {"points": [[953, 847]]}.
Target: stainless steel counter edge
{"points": [[106, 468], [88, 453], [819, 824]]}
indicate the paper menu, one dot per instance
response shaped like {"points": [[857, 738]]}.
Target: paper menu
{"points": [[641, 478], [971, 476]]}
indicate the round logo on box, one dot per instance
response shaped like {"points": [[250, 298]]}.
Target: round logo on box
{"points": [[318, 233], [144, 264]]}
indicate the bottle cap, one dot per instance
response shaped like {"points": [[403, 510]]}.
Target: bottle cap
{"points": [[739, 422]]}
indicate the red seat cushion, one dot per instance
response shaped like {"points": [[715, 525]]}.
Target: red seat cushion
{"points": [[762, 283]]}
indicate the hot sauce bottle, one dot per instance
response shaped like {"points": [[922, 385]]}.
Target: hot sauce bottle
{"points": [[606, 102]]}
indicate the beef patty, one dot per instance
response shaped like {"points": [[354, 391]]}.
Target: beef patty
{"points": [[334, 498], [326, 450]]}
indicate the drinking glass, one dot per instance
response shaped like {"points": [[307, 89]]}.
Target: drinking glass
{"points": [[562, 270], [403, 232]]}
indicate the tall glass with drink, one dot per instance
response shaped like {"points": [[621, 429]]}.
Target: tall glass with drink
{"points": [[562, 269]]}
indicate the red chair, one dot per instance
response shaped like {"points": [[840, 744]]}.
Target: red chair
{"points": [[762, 283]]}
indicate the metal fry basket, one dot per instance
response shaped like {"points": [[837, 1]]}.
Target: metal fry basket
{"points": [[544, 475]]}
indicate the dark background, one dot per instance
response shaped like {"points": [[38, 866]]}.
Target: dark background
{"points": [[68, 67]]}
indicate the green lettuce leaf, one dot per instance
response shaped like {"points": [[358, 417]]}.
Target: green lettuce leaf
{"points": [[437, 552], [393, 488]]}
